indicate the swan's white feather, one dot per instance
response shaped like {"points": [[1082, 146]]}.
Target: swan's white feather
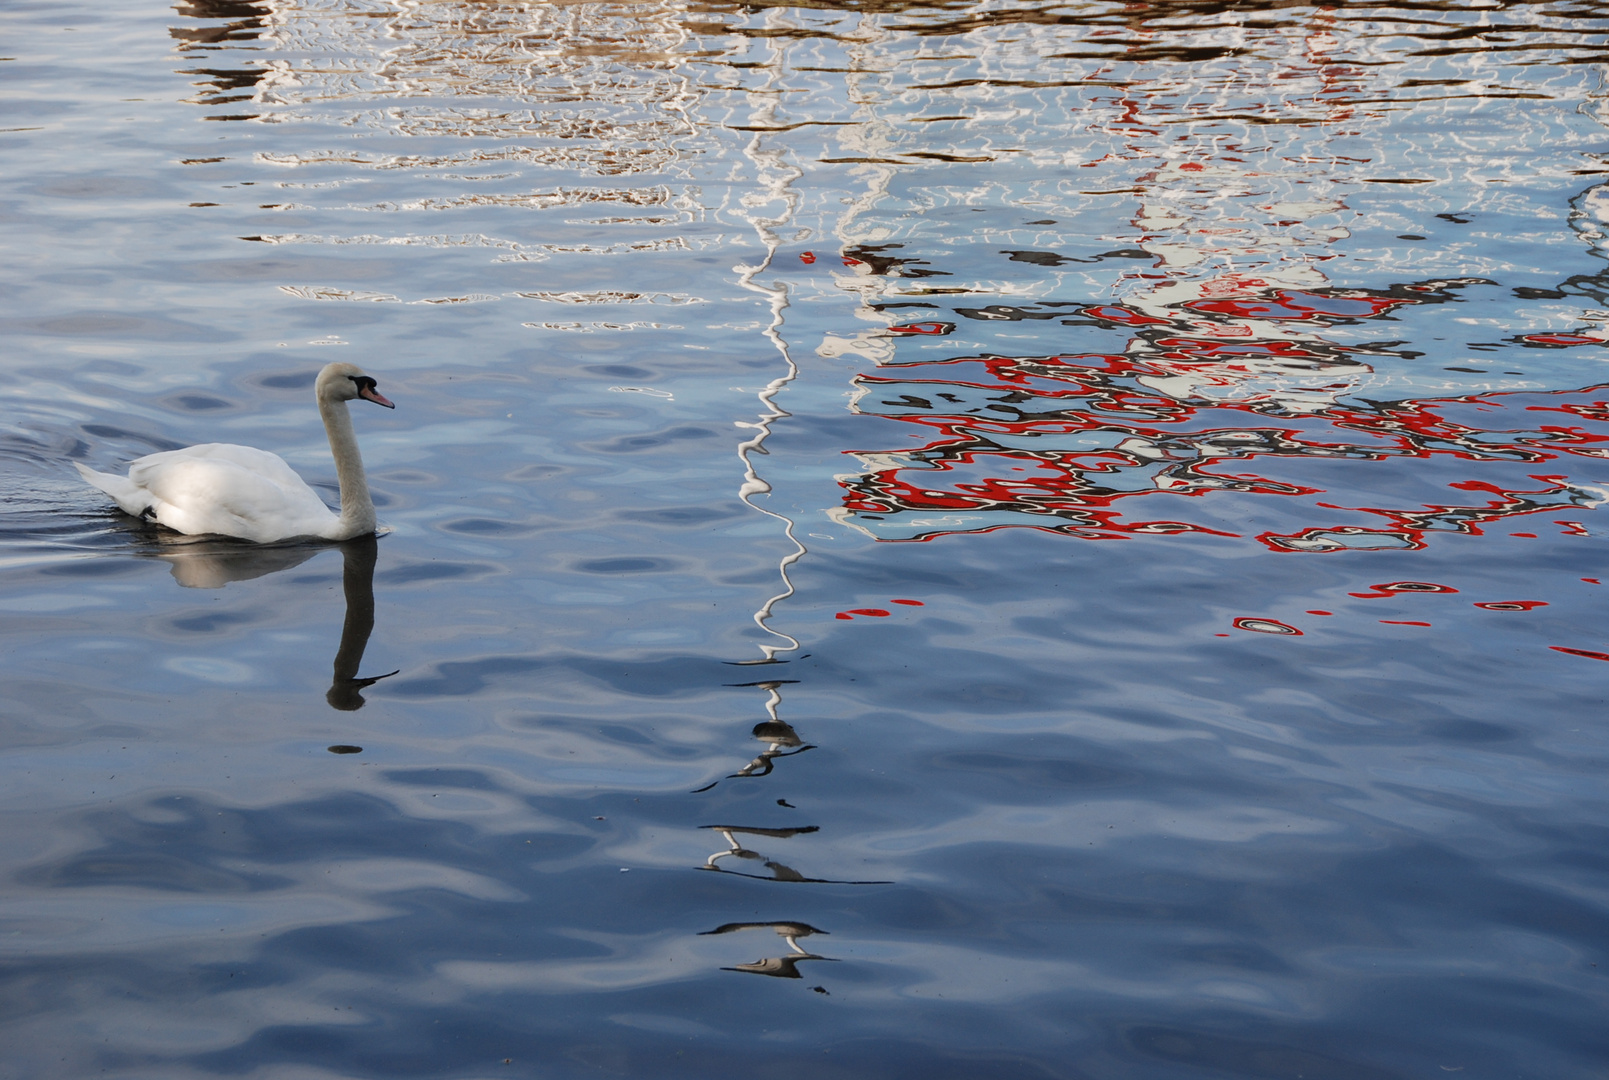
{"points": [[131, 498], [220, 488]]}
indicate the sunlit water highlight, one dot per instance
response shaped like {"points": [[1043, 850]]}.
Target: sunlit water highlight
{"points": [[923, 541]]}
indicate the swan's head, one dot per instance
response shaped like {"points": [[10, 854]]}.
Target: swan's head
{"points": [[341, 381]]}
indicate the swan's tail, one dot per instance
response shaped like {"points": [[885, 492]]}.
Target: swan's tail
{"points": [[132, 498]]}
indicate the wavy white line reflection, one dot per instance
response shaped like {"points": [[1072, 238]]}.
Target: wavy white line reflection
{"points": [[777, 178]]}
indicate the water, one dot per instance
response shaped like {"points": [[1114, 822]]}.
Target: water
{"points": [[1159, 449]]}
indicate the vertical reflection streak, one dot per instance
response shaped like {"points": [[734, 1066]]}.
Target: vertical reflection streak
{"points": [[777, 178]]}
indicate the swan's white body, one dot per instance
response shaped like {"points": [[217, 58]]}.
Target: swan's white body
{"points": [[252, 494]]}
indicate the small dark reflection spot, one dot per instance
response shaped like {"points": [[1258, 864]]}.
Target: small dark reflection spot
{"points": [[681, 515], [1044, 221], [622, 566], [820, 990], [462, 779], [108, 431], [631, 444], [432, 571], [1470, 731], [534, 472], [1037, 258], [785, 802], [199, 402], [209, 621], [342, 748], [478, 526], [624, 371], [1409, 236], [290, 382], [89, 568]]}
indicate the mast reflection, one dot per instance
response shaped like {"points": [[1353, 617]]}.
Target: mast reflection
{"points": [[783, 742], [779, 736], [779, 871], [778, 967]]}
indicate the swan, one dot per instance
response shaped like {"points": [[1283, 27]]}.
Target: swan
{"points": [[240, 491]]}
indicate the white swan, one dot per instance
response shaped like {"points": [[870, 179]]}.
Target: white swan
{"points": [[249, 493]]}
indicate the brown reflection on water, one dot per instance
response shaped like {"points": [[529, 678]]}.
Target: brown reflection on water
{"points": [[598, 85], [237, 21]]}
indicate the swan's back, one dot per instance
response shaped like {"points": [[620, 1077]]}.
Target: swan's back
{"points": [[225, 489]]}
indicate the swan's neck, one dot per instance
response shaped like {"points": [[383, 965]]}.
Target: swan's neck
{"points": [[357, 507]]}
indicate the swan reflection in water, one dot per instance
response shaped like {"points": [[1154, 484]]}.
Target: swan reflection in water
{"points": [[778, 967], [779, 871], [213, 562]]}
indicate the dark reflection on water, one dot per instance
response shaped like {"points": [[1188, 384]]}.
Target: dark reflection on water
{"points": [[773, 361], [357, 583], [778, 967]]}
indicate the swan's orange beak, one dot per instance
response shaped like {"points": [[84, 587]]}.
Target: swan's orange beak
{"points": [[369, 393]]}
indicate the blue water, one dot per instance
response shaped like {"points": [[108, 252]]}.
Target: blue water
{"points": [[954, 540]]}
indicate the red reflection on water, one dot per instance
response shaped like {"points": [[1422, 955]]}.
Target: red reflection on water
{"points": [[1211, 397], [1561, 339], [1122, 316], [1512, 605], [1588, 653], [929, 328], [875, 612], [1266, 626], [1285, 304], [1403, 622], [1392, 588]]}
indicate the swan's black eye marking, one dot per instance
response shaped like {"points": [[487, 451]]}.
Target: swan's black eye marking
{"points": [[368, 391]]}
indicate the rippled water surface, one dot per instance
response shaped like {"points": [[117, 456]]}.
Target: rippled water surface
{"points": [[924, 540]]}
